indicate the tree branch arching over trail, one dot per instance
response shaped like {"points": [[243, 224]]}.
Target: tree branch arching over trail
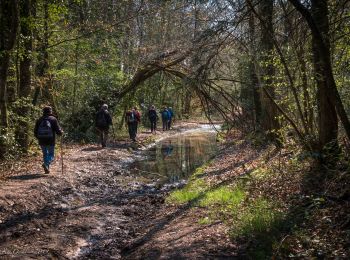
{"points": [[172, 63]]}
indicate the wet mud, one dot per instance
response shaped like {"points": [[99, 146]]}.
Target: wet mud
{"points": [[98, 205]]}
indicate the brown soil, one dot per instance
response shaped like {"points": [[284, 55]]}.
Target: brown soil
{"points": [[94, 209], [97, 210]]}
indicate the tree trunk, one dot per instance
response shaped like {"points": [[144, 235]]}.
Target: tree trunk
{"points": [[269, 120], [25, 71], [324, 52], [253, 75], [327, 116], [8, 33], [42, 68]]}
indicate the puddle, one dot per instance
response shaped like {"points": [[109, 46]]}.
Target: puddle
{"points": [[175, 158]]}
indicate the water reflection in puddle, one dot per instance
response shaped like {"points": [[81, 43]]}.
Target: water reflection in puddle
{"points": [[175, 158]]}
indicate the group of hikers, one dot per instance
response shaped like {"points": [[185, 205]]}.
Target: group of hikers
{"points": [[167, 116], [132, 119], [47, 127]]}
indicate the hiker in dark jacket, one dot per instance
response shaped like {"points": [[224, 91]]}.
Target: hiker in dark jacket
{"points": [[132, 118], [45, 131], [153, 117], [102, 122], [165, 118]]}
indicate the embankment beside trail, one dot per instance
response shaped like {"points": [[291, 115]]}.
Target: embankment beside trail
{"points": [[250, 202]]}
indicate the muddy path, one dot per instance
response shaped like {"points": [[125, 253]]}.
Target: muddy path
{"points": [[94, 210]]}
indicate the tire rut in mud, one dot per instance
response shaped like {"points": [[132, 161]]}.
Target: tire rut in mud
{"points": [[90, 212]]}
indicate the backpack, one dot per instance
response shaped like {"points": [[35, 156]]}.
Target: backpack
{"points": [[101, 120], [165, 115], [152, 114], [131, 118], [45, 130]]}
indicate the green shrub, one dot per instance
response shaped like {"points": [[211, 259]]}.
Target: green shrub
{"points": [[256, 218]]}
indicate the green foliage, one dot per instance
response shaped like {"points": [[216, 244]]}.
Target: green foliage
{"points": [[8, 140], [223, 197], [22, 115], [204, 221], [256, 217], [192, 192]]}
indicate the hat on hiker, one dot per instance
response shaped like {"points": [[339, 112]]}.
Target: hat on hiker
{"points": [[47, 110], [104, 106]]}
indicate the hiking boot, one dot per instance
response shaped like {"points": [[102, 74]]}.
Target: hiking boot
{"points": [[46, 169]]}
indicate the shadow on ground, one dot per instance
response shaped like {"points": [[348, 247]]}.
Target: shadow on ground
{"points": [[25, 177]]}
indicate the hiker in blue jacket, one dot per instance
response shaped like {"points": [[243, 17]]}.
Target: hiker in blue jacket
{"points": [[165, 118], [171, 116], [45, 131]]}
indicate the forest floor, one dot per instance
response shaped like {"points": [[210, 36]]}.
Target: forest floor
{"points": [[97, 209]]}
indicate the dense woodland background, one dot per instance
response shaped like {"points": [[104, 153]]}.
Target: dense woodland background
{"points": [[276, 72], [280, 67]]}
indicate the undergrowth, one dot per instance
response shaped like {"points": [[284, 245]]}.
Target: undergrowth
{"points": [[281, 207], [248, 218]]}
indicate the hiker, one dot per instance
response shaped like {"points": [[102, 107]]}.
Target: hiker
{"points": [[102, 122], [132, 118], [165, 118], [138, 117], [153, 117], [46, 128], [171, 115]]}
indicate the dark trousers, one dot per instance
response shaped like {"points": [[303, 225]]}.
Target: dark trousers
{"points": [[165, 125], [169, 123], [153, 125], [103, 136], [132, 127]]}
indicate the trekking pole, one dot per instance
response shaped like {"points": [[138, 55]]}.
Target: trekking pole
{"points": [[61, 145], [113, 133]]}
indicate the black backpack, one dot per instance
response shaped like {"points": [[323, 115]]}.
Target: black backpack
{"points": [[45, 130], [152, 115], [132, 117], [101, 120]]}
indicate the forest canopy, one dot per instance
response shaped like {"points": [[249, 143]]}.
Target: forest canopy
{"points": [[273, 66]]}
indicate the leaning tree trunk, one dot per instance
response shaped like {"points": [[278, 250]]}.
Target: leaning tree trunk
{"points": [[269, 120], [8, 33], [327, 115]]}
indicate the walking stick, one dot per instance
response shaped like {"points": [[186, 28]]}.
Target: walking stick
{"points": [[62, 154], [113, 133]]}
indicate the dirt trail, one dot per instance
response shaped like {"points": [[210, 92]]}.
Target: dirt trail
{"points": [[91, 211], [97, 210]]}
